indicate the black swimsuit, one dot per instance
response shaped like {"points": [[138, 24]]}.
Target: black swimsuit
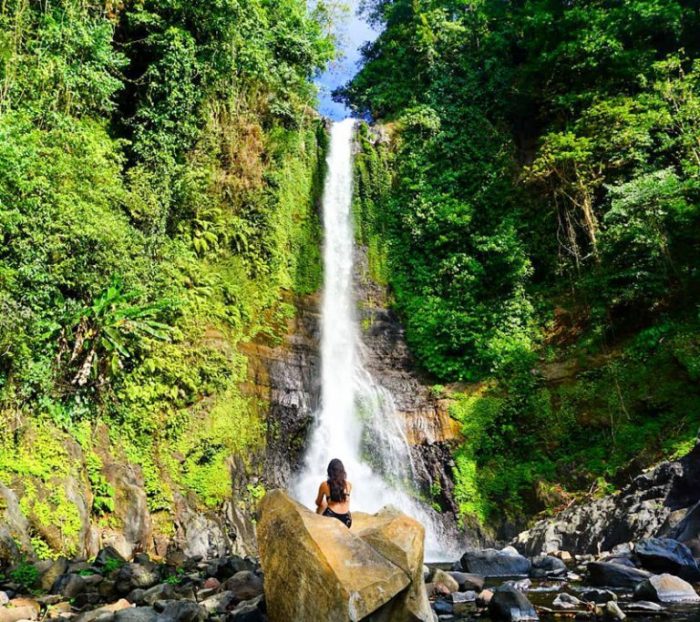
{"points": [[346, 518]]}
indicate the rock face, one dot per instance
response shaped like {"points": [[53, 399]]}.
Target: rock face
{"points": [[317, 569], [656, 503]]}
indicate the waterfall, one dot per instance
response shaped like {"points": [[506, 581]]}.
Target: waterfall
{"points": [[357, 420]]}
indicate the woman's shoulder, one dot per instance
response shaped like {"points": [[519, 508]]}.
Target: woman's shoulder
{"points": [[324, 485]]}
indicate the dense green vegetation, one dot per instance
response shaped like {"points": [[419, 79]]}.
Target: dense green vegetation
{"points": [[159, 164], [536, 212]]}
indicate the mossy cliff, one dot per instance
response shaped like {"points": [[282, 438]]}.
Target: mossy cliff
{"points": [[160, 168]]}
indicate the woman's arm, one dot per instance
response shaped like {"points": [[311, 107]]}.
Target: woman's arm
{"points": [[321, 504]]}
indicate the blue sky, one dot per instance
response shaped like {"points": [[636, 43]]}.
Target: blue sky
{"points": [[353, 32]]}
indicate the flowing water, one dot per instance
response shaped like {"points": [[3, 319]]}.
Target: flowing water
{"points": [[357, 421]]}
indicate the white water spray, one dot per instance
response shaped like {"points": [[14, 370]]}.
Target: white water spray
{"points": [[357, 421]]}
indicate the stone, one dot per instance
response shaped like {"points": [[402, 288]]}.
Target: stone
{"points": [[566, 601], [484, 598], [666, 588], [212, 583], [493, 563], [244, 585], [69, 585], [468, 581], [137, 575], [136, 614], [317, 569], [605, 574], [163, 591], [442, 607], [93, 616], [249, 611], [613, 611], [181, 611], [598, 596], [644, 606], [14, 614], [688, 530], [661, 555], [4, 598], [219, 603], [109, 556], [510, 605], [50, 575], [547, 566], [440, 577], [565, 556]]}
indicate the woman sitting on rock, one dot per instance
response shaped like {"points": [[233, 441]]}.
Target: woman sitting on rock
{"points": [[334, 494]]}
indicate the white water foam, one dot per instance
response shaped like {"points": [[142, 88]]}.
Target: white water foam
{"points": [[357, 420]]}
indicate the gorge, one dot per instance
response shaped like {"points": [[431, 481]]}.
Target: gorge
{"points": [[482, 293]]}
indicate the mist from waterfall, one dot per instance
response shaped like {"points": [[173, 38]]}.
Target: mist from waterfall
{"points": [[357, 420]]}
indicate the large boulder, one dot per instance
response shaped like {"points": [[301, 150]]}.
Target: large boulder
{"points": [[667, 555], [492, 563], [317, 569], [666, 588], [606, 574]]}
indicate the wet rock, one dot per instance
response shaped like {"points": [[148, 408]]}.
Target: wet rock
{"points": [[523, 585], [494, 563], [613, 611], [598, 596], [547, 566], [565, 556], [467, 581], [163, 591], [112, 608], [510, 605], [212, 583], [69, 585], [566, 601], [182, 611], [244, 585], [666, 555], [463, 597], [605, 574], [644, 606], [440, 577], [666, 588]]}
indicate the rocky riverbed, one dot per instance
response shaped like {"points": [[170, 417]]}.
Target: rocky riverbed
{"points": [[653, 579]]}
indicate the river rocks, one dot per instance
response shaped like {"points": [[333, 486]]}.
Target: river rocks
{"points": [[613, 611], [249, 611], [136, 614], [641, 510], [510, 605], [302, 551], [244, 585], [440, 577], [667, 555], [566, 601], [666, 588], [547, 566], [109, 557], [54, 570], [494, 563], [468, 581], [69, 585], [599, 596], [606, 574]]}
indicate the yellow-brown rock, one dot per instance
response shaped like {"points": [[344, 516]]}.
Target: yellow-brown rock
{"points": [[317, 569]]}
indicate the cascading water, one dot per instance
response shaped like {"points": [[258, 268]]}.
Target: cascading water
{"points": [[357, 421]]}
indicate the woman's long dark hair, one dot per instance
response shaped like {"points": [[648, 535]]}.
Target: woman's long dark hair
{"points": [[336, 480]]}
